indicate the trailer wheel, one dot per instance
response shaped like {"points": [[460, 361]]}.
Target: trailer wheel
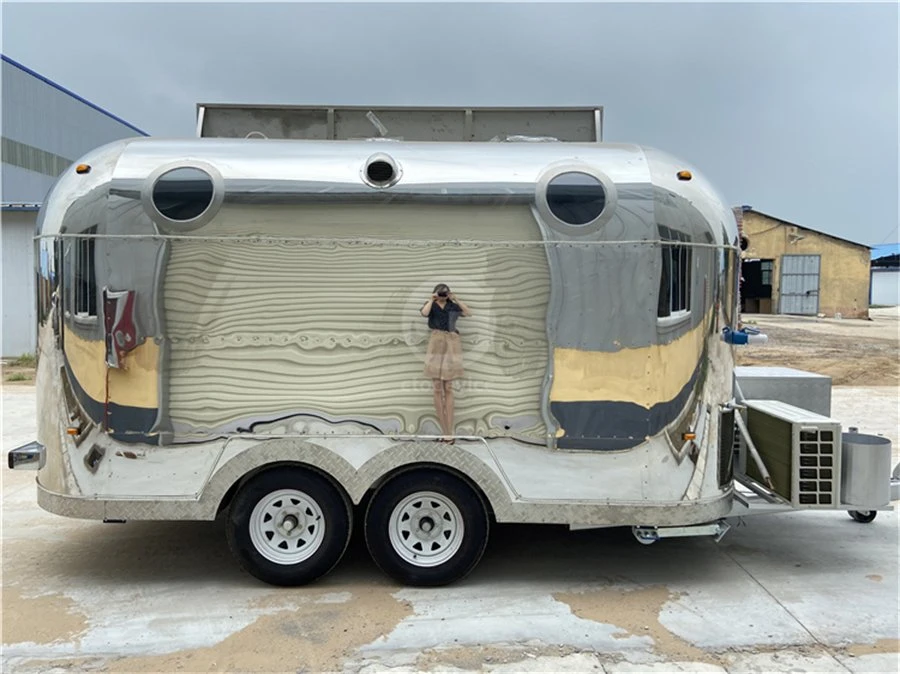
{"points": [[863, 516], [288, 526], [426, 528]]}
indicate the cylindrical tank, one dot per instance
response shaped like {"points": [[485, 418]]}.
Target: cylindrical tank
{"points": [[865, 470]]}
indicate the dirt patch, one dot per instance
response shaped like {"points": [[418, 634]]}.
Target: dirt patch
{"points": [[474, 658], [875, 577], [851, 352], [41, 620], [13, 374], [312, 635], [636, 612], [880, 646]]}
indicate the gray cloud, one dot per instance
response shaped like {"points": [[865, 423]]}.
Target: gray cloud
{"points": [[789, 107]]}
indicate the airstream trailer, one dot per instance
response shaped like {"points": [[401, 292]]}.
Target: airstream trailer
{"points": [[233, 327]]}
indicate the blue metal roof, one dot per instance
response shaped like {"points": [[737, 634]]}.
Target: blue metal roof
{"points": [[72, 94], [20, 207], [885, 249]]}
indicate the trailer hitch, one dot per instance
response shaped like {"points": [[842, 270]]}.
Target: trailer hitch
{"points": [[649, 535]]}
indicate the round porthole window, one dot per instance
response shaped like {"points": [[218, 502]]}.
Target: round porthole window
{"points": [[183, 193], [575, 198]]}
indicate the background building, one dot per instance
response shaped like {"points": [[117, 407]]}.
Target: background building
{"points": [[45, 129], [886, 275], [791, 269]]}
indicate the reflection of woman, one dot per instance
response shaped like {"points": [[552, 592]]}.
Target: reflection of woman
{"points": [[443, 359]]}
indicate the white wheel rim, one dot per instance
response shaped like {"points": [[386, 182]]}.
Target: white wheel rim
{"points": [[287, 526], [426, 529]]}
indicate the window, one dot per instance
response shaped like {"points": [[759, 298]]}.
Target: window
{"points": [[85, 282], [576, 198], [766, 270], [675, 279], [183, 194]]}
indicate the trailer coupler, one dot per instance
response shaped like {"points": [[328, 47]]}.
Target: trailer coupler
{"points": [[649, 535]]}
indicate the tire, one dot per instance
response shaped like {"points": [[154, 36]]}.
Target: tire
{"points": [[288, 526], [426, 528], [863, 516]]}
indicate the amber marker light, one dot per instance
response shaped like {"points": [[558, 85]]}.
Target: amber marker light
{"points": [[689, 436], [83, 168], [72, 430], [684, 175]]}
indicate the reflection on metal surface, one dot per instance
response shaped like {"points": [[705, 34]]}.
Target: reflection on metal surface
{"points": [[266, 287], [30, 456]]}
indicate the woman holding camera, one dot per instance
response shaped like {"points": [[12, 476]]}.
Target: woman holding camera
{"points": [[443, 358]]}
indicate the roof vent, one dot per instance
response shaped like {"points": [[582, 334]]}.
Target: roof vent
{"points": [[381, 171]]}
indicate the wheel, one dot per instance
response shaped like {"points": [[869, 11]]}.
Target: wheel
{"points": [[863, 516], [426, 528], [288, 526]]}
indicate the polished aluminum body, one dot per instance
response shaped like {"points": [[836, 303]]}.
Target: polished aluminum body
{"points": [[279, 325]]}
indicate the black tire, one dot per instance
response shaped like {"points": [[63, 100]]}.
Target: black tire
{"points": [[863, 516], [455, 550], [318, 541]]}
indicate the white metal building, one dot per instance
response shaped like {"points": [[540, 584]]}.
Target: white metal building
{"points": [[885, 289], [45, 129]]}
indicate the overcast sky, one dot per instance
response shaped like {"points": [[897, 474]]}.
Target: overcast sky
{"points": [[791, 108]]}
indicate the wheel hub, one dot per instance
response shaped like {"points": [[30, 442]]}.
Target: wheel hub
{"points": [[290, 524], [426, 529], [287, 526], [428, 525]]}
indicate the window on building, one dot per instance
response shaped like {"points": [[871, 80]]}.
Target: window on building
{"points": [[766, 272], [675, 279], [85, 282]]}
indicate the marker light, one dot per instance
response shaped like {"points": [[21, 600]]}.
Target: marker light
{"points": [[684, 175], [689, 436], [73, 430], [83, 168]]}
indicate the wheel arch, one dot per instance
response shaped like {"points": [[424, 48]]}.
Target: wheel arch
{"points": [[397, 471], [356, 484], [228, 496], [225, 483]]}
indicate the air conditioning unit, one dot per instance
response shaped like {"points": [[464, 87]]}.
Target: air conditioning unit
{"points": [[800, 449]]}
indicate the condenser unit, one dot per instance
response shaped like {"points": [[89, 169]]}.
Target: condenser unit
{"points": [[800, 449]]}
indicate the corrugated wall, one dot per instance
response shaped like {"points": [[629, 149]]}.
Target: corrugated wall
{"points": [[19, 331], [45, 127]]}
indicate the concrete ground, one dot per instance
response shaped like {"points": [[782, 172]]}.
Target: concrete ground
{"points": [[811, 591]]}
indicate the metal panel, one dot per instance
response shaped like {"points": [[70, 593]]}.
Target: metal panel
{"points": [[411, 125], [807, 390], [45, 118], [800, 284], [406, 123], [18, 284], [885, 287]]}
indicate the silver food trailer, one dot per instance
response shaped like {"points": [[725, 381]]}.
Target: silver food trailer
{"points": [[233, 326]]}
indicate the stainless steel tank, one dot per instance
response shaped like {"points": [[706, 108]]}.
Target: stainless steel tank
{"points": [[865, 470]]}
